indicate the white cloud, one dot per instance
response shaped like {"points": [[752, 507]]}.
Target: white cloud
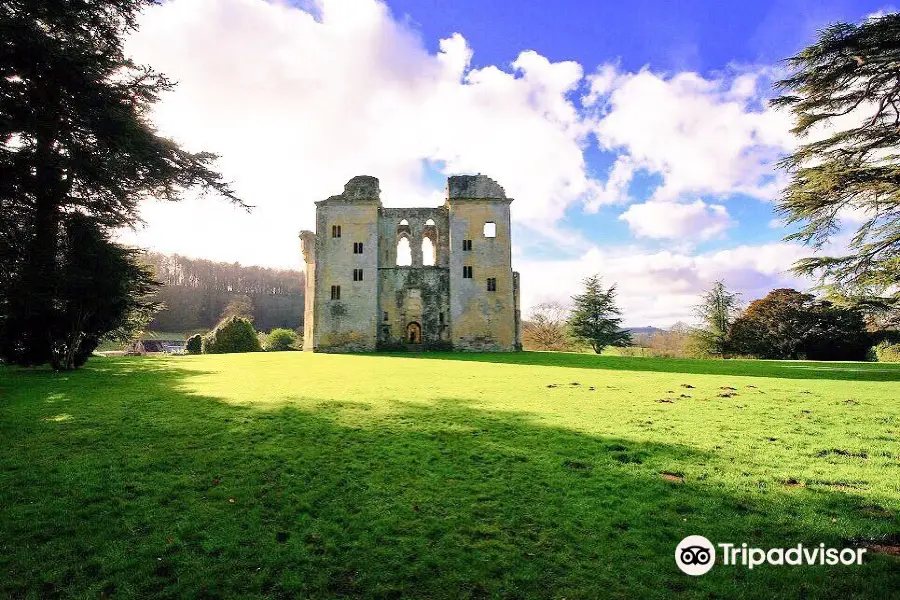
{"points": [[660, 288], [296, 103], [675, 220], [702, 135]]}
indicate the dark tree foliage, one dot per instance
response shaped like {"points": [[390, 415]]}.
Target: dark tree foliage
{"points": [[844, 94], [104, 292], [232, 335], [788, 324], [75, 138], [197, 292], [595, 318], [194, 344]]}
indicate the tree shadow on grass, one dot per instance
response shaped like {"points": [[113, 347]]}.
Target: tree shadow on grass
{"points": [[855, 371], [149, 491]]}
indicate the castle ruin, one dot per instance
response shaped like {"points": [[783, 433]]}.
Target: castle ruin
{"points": [[412, 278]]}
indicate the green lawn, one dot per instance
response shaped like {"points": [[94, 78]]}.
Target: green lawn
{"points": [[532, 475]]}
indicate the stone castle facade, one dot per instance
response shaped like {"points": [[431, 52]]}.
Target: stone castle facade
{"points": [[412, 278]]}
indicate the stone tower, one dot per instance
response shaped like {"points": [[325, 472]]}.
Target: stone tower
{"points": [[412, 278]]}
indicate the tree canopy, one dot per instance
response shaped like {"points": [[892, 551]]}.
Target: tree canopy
{"points": [[196, 293], [717, 311], [75, 139], [595, 318], [788, 324], [844, 95]]}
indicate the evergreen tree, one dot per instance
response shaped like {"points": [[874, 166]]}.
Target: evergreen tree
{"points": [[75, 138], [717, 311], [103, 291], [844, 95], [595, 317]]}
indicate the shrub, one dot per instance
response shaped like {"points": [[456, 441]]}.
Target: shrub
{"points": [[887, 352], [194, 344], [281, 339], [234, 334]]}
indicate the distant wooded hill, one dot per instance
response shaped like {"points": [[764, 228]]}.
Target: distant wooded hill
{"points": [[196, 292]]}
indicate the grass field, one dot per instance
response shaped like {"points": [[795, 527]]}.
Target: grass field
{"points": [[531, 475]]}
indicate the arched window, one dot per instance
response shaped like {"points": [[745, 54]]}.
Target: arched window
{"points": [[429, 252], [404, 222], [404, 252], [429, 244]]}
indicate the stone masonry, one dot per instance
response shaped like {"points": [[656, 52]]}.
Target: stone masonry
{"points": [[411, 278]]}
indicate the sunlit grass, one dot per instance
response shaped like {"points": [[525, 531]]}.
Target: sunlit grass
{"points": [[441, 475]]}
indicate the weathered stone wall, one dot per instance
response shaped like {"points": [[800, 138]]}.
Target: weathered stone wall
{"points": [[390, 233], [348, 324], [481, 320], [414, 295], [450, 310], [517, 302], [308, 249]]}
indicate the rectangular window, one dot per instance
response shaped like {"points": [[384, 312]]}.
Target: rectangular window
{"points": [[385, 317], [490, 229], [492, 284], [357, 275], [467, 245], [357, 247], [335, 292], [467, 272], [335, 231], [441, 316]]}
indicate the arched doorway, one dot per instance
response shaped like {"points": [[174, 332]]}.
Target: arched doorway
{"points": [[413, 333]]}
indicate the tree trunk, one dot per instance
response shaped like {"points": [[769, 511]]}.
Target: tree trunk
{"points": [[39, 272]]}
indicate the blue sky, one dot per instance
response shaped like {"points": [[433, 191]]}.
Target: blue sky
{"points": [[702, 36], [698, 35], [634, 136]]}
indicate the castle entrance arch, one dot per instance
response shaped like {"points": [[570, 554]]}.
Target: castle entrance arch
{"points": [[413, 333]]}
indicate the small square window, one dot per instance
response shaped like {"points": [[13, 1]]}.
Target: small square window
{"points": [[357, 247], [467, 245], [335, 292], [467, 272], [492, 284], [490, 229], [357, 274]]}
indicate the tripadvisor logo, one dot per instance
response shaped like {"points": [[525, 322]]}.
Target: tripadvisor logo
{"points": [[696, 555]]}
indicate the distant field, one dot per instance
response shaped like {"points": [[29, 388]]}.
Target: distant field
{"points": [[530, 475]]}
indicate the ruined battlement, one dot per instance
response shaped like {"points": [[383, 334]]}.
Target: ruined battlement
{"points": [[477, 187]]}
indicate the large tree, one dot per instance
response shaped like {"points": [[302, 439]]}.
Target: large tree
{"points": [[595, 318], [717, 311], [844, 95], [789, 324], [75, 138]]}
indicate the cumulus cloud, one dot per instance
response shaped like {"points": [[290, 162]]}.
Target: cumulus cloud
{"points": [[702, 135], [676, 220], [296, 102], [298, 99], [661, 288]]}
